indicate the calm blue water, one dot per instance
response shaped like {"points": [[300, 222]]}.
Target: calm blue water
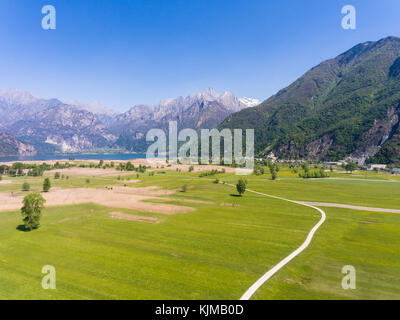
{"points": [[116, 156]]}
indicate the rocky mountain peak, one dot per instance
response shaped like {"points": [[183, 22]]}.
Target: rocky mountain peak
{"points": [[17, 96]]}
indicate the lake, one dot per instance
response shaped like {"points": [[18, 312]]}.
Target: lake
{"points": [[108, 156]]}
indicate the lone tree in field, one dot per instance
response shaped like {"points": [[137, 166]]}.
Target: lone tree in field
{"points": [[241, 186], [31, 211], [351, 166], [26, 186], [46, 185]]}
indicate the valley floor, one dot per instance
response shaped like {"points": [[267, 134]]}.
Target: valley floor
{"points": [[215, 248]]}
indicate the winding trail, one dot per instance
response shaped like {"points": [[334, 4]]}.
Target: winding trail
{"points": [[252, 290]]}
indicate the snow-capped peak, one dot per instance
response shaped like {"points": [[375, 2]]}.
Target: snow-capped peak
{"points": [[250, 102], [93, 107], [17, 96]]}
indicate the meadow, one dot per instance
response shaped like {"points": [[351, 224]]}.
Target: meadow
{"points": [[216, 251]]}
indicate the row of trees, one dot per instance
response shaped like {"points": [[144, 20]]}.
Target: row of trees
{"points": [[130, 167], [19, 169], [211, 173]]}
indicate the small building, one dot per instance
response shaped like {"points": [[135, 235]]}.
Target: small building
{"points": [[376, 167], [328, 164], [396, 171]]}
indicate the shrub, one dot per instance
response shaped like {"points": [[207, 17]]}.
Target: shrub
{"points": [[46, 185], [26, 186]]}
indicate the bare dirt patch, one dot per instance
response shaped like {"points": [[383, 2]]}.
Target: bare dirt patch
{"points": [[119, 197], [91, 172], [147, 191], [131, 217]]}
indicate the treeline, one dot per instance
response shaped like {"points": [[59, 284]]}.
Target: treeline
{"points": [[100, 165], [19, 169], [131, 167], [211, 173], [317, 174]]}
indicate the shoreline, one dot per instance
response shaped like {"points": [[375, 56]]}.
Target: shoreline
{"points": [[73, 157]]}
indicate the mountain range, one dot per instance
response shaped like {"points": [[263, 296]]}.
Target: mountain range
{"points": [[347, 107], [51, 126], [344, 108], [198, 111]]}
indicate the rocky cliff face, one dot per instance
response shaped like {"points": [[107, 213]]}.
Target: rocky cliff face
{"points": [[64, 129], [50, 125], [10, 146]]}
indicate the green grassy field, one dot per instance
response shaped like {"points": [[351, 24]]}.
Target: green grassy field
{"points": [[215, 252]]}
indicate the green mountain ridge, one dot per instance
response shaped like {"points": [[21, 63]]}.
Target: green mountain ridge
{"points": [[346, 107]]}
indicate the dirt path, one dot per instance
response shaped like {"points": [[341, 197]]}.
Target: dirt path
{"points": [[253, 289], [346, 206], [355, 179]]}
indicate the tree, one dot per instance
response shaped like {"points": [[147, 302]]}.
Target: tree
{"points": [[46, 185], [31, 211], [241, 186], [184, 188], [57, 175], [274, 175], [351, 166], [26, 186]]}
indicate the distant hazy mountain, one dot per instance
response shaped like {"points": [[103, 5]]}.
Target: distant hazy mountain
{"points": [[51, 125], [63, 128], [10, 146], [18, 105], [206, 109], [103, 113], [348, 106]]}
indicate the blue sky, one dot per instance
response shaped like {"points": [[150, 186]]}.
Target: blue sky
{"points": [[122, 53]]}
